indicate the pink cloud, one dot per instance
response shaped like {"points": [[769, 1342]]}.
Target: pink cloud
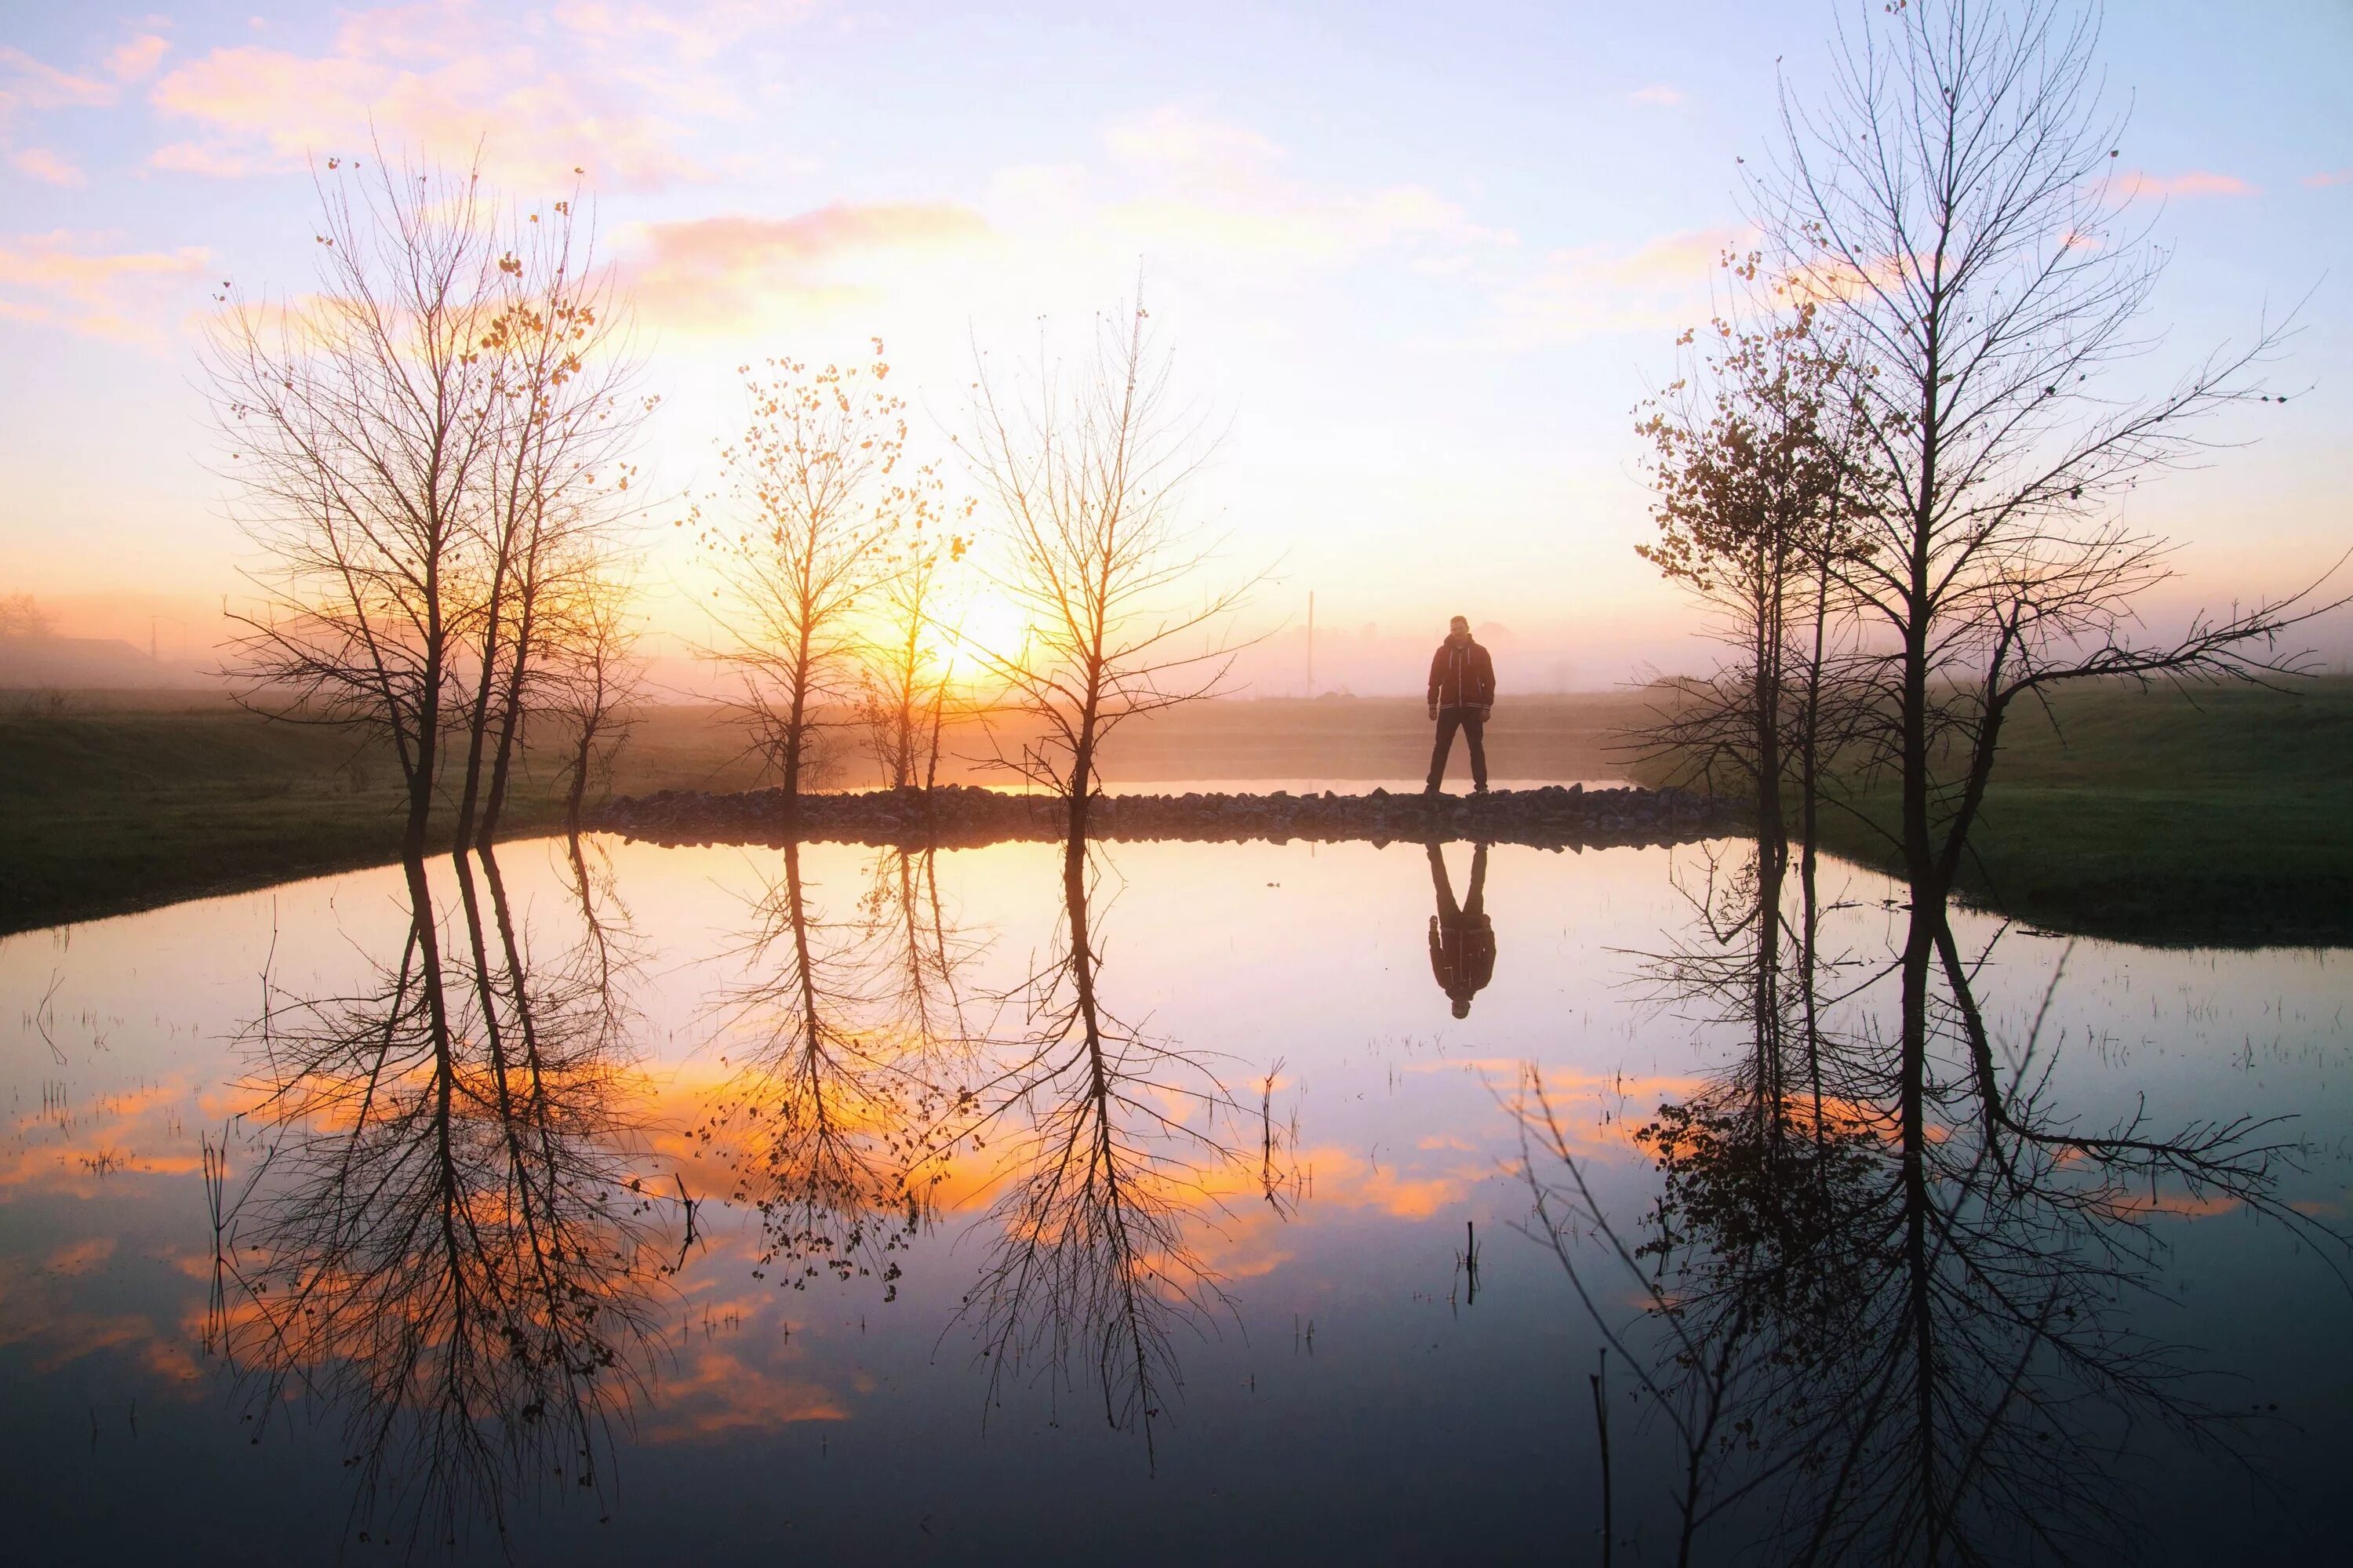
{"points": [[119, 295], [2196, 183], [27, 83], [719, 271], [2331, 177], [137, 60], [196, 158], [1657, 95], [45, 165], [431, 79]]}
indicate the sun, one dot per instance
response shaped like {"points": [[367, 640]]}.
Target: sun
{"points": [[988, 627]]}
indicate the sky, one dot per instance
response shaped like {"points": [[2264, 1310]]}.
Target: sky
{"points": [[1418, 264]]}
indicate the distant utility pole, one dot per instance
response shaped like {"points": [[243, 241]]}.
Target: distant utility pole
{"points": [[1311, 642]]}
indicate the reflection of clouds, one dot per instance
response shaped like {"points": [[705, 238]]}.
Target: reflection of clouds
{"points": [[1397, 1186], [79, 1257], [42, 1311], [440, 1240], [718, 1393], [79, 1151]]}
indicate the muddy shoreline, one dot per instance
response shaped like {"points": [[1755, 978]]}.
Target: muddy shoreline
{"points": [[1555, 817]]}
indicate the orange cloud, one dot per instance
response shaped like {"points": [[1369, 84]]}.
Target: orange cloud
{"points": [[719, 1393], [430, 79], [1393, 1185], [47, 166], [79, 1257], [722, 271], [2196, 183]]}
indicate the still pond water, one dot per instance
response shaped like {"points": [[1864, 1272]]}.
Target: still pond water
{"points": [[1177, 1204]]}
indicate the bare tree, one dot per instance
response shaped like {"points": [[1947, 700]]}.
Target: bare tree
{"points": [[904, 686], [22, 616], [1088, 478], [359, 421], [596, 678], [817, 499], [1757, 482], [558, 494], [1951, 210], [1757, 485]]}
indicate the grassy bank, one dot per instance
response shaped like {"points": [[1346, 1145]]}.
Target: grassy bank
{"points": [[2225, 817], [110, 807], [2141, 816]]}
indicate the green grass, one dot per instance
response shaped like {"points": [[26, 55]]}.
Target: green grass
{"points": [[120, 809], [2223, 817]]}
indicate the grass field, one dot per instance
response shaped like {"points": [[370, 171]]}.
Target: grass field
{"points": [[111, 807], [2142, 816], [2224, 817]]}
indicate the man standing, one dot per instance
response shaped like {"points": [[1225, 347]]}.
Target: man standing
{"points": [[1462, 695]]}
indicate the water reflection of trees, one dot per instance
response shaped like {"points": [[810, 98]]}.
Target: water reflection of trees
{"points": [[844, 1040], [441, 1242], [1890, 1298], [865, 1059], [1110, 1149]]}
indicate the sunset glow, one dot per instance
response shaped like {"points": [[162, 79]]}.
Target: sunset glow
{"points": [[1418, 288], [1279, 781]]}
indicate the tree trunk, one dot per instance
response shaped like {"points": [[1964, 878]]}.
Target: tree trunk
{"points": [[511, 718], [478, 716]]}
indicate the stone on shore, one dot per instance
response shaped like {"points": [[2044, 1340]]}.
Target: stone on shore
{"points": [[965, 815]]}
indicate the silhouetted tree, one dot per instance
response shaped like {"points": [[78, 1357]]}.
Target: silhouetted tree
{"points": [[360, 420], [1086, 472], [1951, 211], [817, 504]]}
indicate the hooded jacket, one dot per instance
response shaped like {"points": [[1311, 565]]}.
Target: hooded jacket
{"points": [[1462, 675]]}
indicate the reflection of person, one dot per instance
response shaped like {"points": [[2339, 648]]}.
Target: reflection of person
{"points": [[1461, 939], [1462, 695]]}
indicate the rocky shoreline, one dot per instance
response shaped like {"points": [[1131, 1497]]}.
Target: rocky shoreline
{"points": [[964, 815]]}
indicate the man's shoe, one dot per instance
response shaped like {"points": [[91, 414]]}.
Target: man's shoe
{"points": [[1429, 789], [1478, 789]]}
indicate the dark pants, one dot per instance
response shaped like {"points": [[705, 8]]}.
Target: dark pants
{"points": [[1473, 727]]}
